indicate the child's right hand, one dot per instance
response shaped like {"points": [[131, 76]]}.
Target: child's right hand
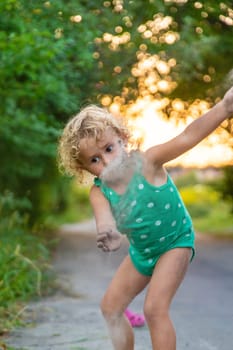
{"points": [[109, 241], [228, 101]]}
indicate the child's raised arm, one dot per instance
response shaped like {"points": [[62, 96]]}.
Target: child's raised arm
{"points": [[193, 133]]}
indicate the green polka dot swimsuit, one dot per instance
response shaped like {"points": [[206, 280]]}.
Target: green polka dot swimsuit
{"points": [[154, 219]]}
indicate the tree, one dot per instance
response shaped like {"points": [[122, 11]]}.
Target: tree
{"points": [[197, 35], [42, 84]]}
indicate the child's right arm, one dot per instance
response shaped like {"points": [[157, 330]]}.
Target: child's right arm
{"points": [[108, 237]]}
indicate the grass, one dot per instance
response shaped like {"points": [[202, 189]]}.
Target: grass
{"points": [[218, 222], [24, 274], [24, 261]]}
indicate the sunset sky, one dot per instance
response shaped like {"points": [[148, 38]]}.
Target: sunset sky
{"points": [[152, 126]]}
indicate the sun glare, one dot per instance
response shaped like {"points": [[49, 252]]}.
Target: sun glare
{"points": [[152, 73], [150, 126], [154, 129]]}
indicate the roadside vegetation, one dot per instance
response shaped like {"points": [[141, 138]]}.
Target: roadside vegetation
{"points": [[211, 213], [24, 259]]}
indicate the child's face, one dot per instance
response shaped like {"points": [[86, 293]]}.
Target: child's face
{"points": [[95, 155]]}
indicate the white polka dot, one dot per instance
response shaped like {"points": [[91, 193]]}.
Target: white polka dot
{"points": [[140, 186], [184, 221], [179, 205], [167, 206], [132, 252], [147, 250], [158, 223], [150, 261], [157, 191], [173, 223], [138, 220], [110, 193], [171, 189], [150, 205], [132, 241], [133, 203], [162, 239], [143, 236], [187, 235]]}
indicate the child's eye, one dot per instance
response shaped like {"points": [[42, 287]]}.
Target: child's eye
{"points": [[95, 160], [109, 148]]}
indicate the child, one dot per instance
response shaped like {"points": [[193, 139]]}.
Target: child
{"points": [[134, 195]]}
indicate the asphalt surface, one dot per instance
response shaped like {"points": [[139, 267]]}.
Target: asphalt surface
{"points": [[202, 310]]}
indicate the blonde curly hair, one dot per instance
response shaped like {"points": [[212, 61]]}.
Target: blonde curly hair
{"points": [[91, 121]]}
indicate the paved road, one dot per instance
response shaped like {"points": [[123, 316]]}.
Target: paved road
{"points": [[202, 309]]}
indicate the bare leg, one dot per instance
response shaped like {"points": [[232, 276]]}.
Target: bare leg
{"points": [[167, 277], [126, 284]]}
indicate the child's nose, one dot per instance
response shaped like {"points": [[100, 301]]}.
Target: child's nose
{"points": [[106, 159]]}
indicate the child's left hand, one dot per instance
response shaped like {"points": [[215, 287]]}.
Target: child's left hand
{"points": [[109, 241]]}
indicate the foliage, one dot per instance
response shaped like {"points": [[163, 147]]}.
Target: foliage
{"points": [[205, 30], [78, 204], [210, 213], [185, 179], [199, 199], [225, 187], [217, 222], [201, 31], [23, 259], [57, 56], [41, 85], [76, 207]]}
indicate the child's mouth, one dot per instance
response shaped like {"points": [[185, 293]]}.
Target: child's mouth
{"points": [[121, 168], [114, 171]]}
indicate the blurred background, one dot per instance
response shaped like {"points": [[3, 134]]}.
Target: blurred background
{"points": [[158, 63]]}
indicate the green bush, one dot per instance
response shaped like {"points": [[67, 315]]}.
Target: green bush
{"points": [[217, 222], [187, 179], [225, 186], [210, 213], [76, 206], [44, 63], [199, 194]]}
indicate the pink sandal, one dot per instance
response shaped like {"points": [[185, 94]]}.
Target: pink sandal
{"points": [[136, 320]]}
